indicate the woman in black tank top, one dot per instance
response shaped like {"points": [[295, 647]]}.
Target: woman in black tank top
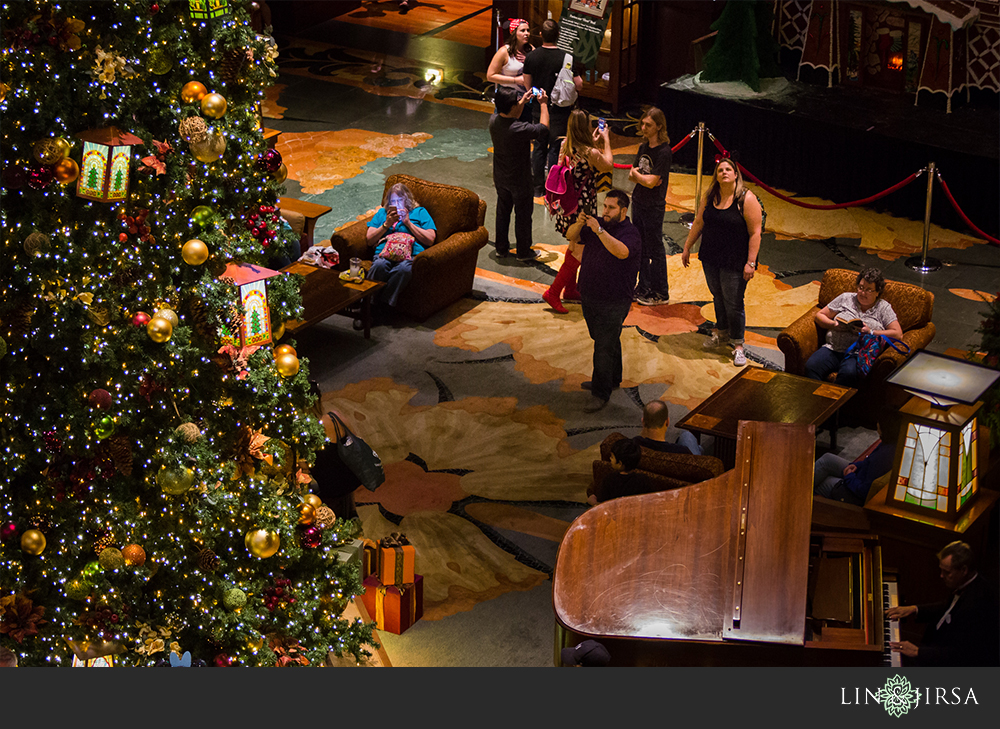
{"points": [[729, 225]]}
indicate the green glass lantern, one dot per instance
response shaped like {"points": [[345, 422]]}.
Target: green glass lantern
{"points": [[208, 9], [105, 164]]}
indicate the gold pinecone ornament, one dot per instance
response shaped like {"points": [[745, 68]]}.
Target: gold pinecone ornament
{"points": [[121, 454], [198, 317], [234, 62]]}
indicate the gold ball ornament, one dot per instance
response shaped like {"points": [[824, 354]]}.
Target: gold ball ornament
{"points": [[111, 559], [285, 349], [210, 149], [4, 88], [64, 146], [193, 91], [313, 500], [135, 556], [66, 171], [194, 252], [280, 174], [213, 105], [287, 365], [277, 332], [170, 315], [160, 62], [159, 329], [263, 543], [307, 513], [175, 481], [48, 151], [33, 542], [36, 243]]}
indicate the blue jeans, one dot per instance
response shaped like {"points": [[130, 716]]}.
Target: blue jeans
{"points": [[727, 287], [653, 260], [824, 361], [396, 276], [828, 479], [604, 323], [690, 441]]}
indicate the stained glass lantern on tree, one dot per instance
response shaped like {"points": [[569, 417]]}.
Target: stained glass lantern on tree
{"points": [[208, 9], [255, 329], [105, 165]]}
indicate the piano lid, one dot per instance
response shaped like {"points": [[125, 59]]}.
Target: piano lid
{"points": [[726, 559]]}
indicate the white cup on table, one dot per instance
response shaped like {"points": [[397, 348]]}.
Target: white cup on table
{"points": [[355, 267]]}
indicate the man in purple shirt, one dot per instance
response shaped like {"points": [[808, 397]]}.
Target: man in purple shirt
{"points": [[606, 281]]}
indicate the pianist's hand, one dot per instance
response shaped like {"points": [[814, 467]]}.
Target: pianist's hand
{"points": [[849, 469], [905, 647], [900, 611]]}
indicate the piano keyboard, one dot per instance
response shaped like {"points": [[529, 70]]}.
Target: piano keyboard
{"points": [[890, 598]]}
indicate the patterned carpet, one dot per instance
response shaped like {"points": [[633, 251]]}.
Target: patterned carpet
{"points": [[477, 413]]}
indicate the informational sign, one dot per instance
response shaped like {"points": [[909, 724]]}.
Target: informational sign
{"points": [[581, 29]]}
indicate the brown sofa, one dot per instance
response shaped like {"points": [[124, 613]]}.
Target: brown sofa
{"points": [[913, 306], [663, 471], [443, 273]]}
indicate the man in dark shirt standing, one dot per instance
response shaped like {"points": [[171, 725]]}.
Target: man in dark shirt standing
{"points": [[512, 167], [540, 70], [651, 173], [607, 281], [655, 421]]}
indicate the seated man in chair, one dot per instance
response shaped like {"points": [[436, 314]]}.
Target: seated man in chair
{"points": [[399, 231], [655, 421]]}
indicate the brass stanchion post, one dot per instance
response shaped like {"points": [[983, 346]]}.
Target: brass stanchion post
{"points": [[922, 263], [688, 218]]}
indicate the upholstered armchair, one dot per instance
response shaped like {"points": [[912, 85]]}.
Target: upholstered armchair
{"points": [[664, 471], [913, 306], [443, 273]]}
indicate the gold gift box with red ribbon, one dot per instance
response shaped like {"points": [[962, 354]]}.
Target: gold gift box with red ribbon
{"points": [[397, 560], [394, 608]]}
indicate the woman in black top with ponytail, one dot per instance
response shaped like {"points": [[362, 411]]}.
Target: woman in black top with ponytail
{"points": [[729, 224]]}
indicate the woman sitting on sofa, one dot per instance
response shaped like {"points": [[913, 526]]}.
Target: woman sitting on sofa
{"points": [[399, 231], [845, 319]]}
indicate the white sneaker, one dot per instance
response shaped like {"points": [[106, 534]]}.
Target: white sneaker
{"points": [[739, 358]]}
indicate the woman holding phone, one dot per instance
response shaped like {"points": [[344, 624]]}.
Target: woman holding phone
{"points": [[400, 230]]}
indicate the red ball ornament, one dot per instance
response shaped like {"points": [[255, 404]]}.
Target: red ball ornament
{"points": [[311, 537], [223, 661], [39, 177], [100, 399], [8, 530], [154, 9], [141, 319]]}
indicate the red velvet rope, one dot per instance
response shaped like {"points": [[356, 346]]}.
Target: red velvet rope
{"points": [[673, 150], [961, 214], [811, 206]]}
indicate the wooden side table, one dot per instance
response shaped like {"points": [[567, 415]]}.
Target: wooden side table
{"points": [[310, 211]]}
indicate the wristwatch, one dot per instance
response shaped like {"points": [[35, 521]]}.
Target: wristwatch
{"points": [[752, 264], [599, 230]]}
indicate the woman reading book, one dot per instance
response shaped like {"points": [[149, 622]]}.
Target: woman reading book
{"points": [[845, 319]]}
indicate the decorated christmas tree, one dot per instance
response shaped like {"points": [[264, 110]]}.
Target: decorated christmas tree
{"points": [[743, 49], [151, 495]]}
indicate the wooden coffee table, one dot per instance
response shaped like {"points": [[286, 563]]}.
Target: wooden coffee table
{"points": [[767, 396], [325, 294]]}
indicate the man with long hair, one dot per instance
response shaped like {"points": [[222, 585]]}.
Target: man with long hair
{"points": [[651, 172]]}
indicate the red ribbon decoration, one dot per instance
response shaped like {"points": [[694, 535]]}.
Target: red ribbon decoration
{"points": [[720, 157]]}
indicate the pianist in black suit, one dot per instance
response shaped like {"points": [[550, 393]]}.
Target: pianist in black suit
{"points": [[964, 630]]}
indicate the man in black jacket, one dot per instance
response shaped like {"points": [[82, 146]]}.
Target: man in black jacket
{"points": [[964, 628]]}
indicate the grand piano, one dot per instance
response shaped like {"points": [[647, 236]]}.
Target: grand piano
{"points": [[727, 572]]}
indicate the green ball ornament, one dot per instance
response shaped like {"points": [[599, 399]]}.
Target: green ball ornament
{"points": [[175, 481], [111, 559], [77, 589], [91, 572], [234, 599], [160, 61], [202, 215], [105, 427]]}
